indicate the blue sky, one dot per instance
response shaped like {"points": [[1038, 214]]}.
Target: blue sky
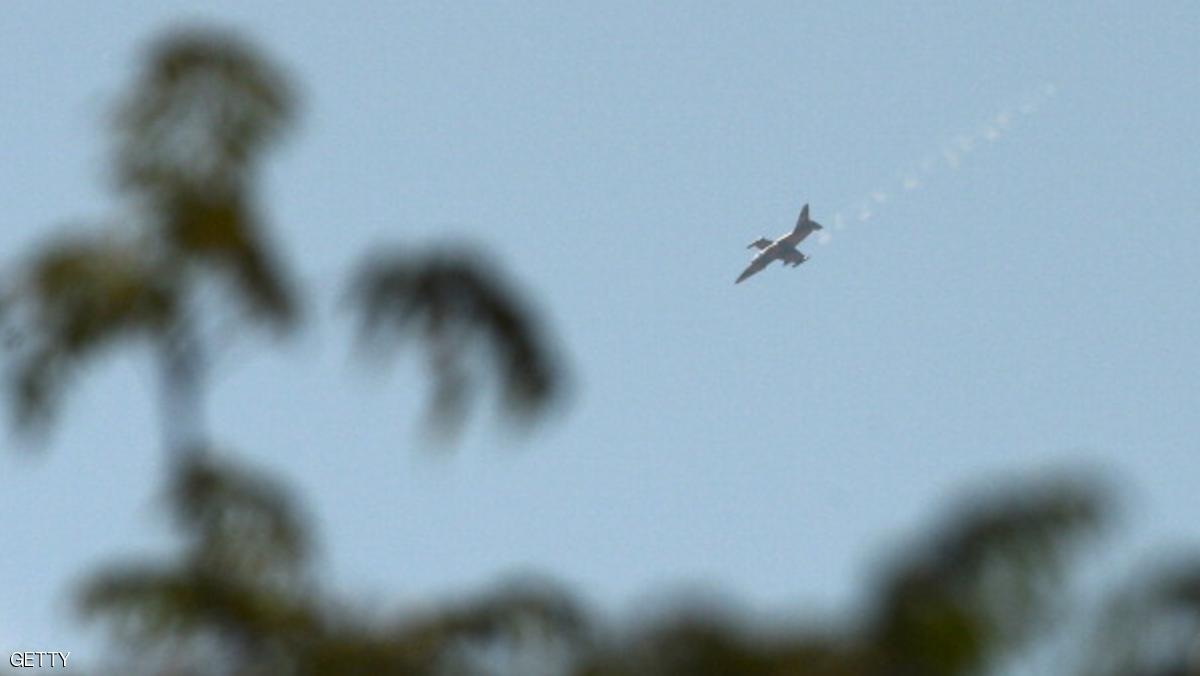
{"points": [[1033, 307]]}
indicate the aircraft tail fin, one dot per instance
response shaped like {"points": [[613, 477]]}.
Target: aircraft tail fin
{"points": [[803, 217]]}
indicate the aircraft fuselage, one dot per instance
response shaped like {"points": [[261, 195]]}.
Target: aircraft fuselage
{"points": [[782, 248]]}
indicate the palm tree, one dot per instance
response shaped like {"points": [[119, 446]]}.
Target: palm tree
{"points": [[191, 135], [240, 596]]}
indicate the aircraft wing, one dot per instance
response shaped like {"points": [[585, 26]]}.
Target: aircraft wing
{"points": [[760, 243], [755, 267], [792, 257]]}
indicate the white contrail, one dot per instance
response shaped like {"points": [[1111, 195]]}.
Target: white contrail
{"points": [[864, 212], [950, 155]]}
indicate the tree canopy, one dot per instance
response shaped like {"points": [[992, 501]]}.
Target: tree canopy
{"points": [[241, 594]]}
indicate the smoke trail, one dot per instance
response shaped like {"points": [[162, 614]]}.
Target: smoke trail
{"points": [[948, 157]]}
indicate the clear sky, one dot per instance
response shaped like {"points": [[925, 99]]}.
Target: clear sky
{"points": [[1027, 302]]}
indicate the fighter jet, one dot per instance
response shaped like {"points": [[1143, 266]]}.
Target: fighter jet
{"points": [[783, 248]]}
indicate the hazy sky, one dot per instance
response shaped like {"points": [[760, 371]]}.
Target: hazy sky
{"points": [[1027, 301]]}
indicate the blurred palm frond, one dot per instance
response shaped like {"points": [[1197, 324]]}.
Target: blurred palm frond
{"points": [[458, 304]]}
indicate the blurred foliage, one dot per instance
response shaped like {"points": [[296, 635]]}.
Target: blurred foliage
{"points": [[243, 595], [80, 294], [243, 588], [983, 584], [1151, 627], [200, 115], [456, 302], [191, 134], [964, 600], [240, 578]]}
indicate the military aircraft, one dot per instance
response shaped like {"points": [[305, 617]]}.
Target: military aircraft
{"points": [[783, 248]]}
